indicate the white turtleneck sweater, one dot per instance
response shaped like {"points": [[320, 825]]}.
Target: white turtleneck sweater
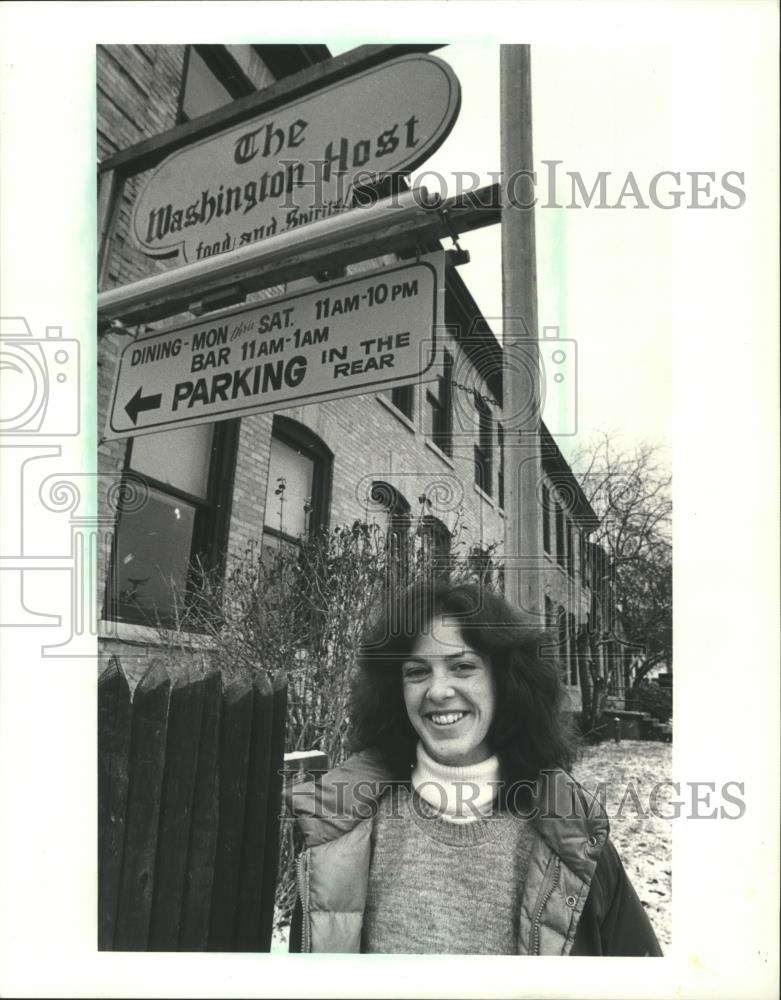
{"points": [[459, 794]]}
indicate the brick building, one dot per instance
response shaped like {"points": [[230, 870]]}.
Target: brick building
{"points": [[428, 457]]}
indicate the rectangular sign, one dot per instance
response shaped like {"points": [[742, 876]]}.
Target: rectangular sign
{"points": [[360, 334]]}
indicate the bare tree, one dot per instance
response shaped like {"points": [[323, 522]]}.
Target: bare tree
{"points": [[630, 491]]}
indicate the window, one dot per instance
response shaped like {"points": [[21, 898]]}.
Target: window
{"points": [[571, 532], [483, 448], [435, 539], [567, 646], [614, 668], [183, 523], [403, 398], [397, 527], [572, 649], [546, 525], [561, 535], [500, 473], [550, 615], [439, 407], [601, 572], [202, 91], [298, 485], [212, 78], [563, 644]]}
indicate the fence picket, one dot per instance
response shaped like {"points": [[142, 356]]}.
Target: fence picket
{"points": [[113, 751], [273, 814], [248, 914], [147, 753], [181, 759], [188, 822], [196, 901], [235, 735]]}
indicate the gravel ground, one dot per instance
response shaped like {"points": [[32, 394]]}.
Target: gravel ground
{"points": [[628, 773]]}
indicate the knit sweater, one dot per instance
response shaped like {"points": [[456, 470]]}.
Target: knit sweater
{"points": [[438, 887]]}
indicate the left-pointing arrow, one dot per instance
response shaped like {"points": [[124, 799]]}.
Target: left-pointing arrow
{"points": [[139, 403]]}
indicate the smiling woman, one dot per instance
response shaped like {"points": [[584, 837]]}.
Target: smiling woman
{"points": [[456, 828], [449, 695]]}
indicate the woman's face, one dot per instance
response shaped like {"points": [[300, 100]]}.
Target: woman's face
{"points": [[450, 695]]}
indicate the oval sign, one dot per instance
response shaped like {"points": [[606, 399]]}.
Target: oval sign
{"points": [[298, 163]]}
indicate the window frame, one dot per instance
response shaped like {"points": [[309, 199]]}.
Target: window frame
{"points": [[210, 525], [547, 534], [298, 436], [400, 396], [223, 67], [398, 529], [432, 532], [483, 450], [440, 405], [561, 642], [561, 534], [572, 650], [570, 530]]}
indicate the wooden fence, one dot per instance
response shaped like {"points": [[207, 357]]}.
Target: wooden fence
{"points": [[189, 800]]}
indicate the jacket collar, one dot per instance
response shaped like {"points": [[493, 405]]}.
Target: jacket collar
{"points": [[571, 821], [568, 818]]}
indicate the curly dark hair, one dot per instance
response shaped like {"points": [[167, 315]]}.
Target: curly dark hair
{"points": [[529, 732]]}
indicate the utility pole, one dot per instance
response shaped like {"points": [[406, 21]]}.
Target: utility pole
{"points": [[521, 371]]}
